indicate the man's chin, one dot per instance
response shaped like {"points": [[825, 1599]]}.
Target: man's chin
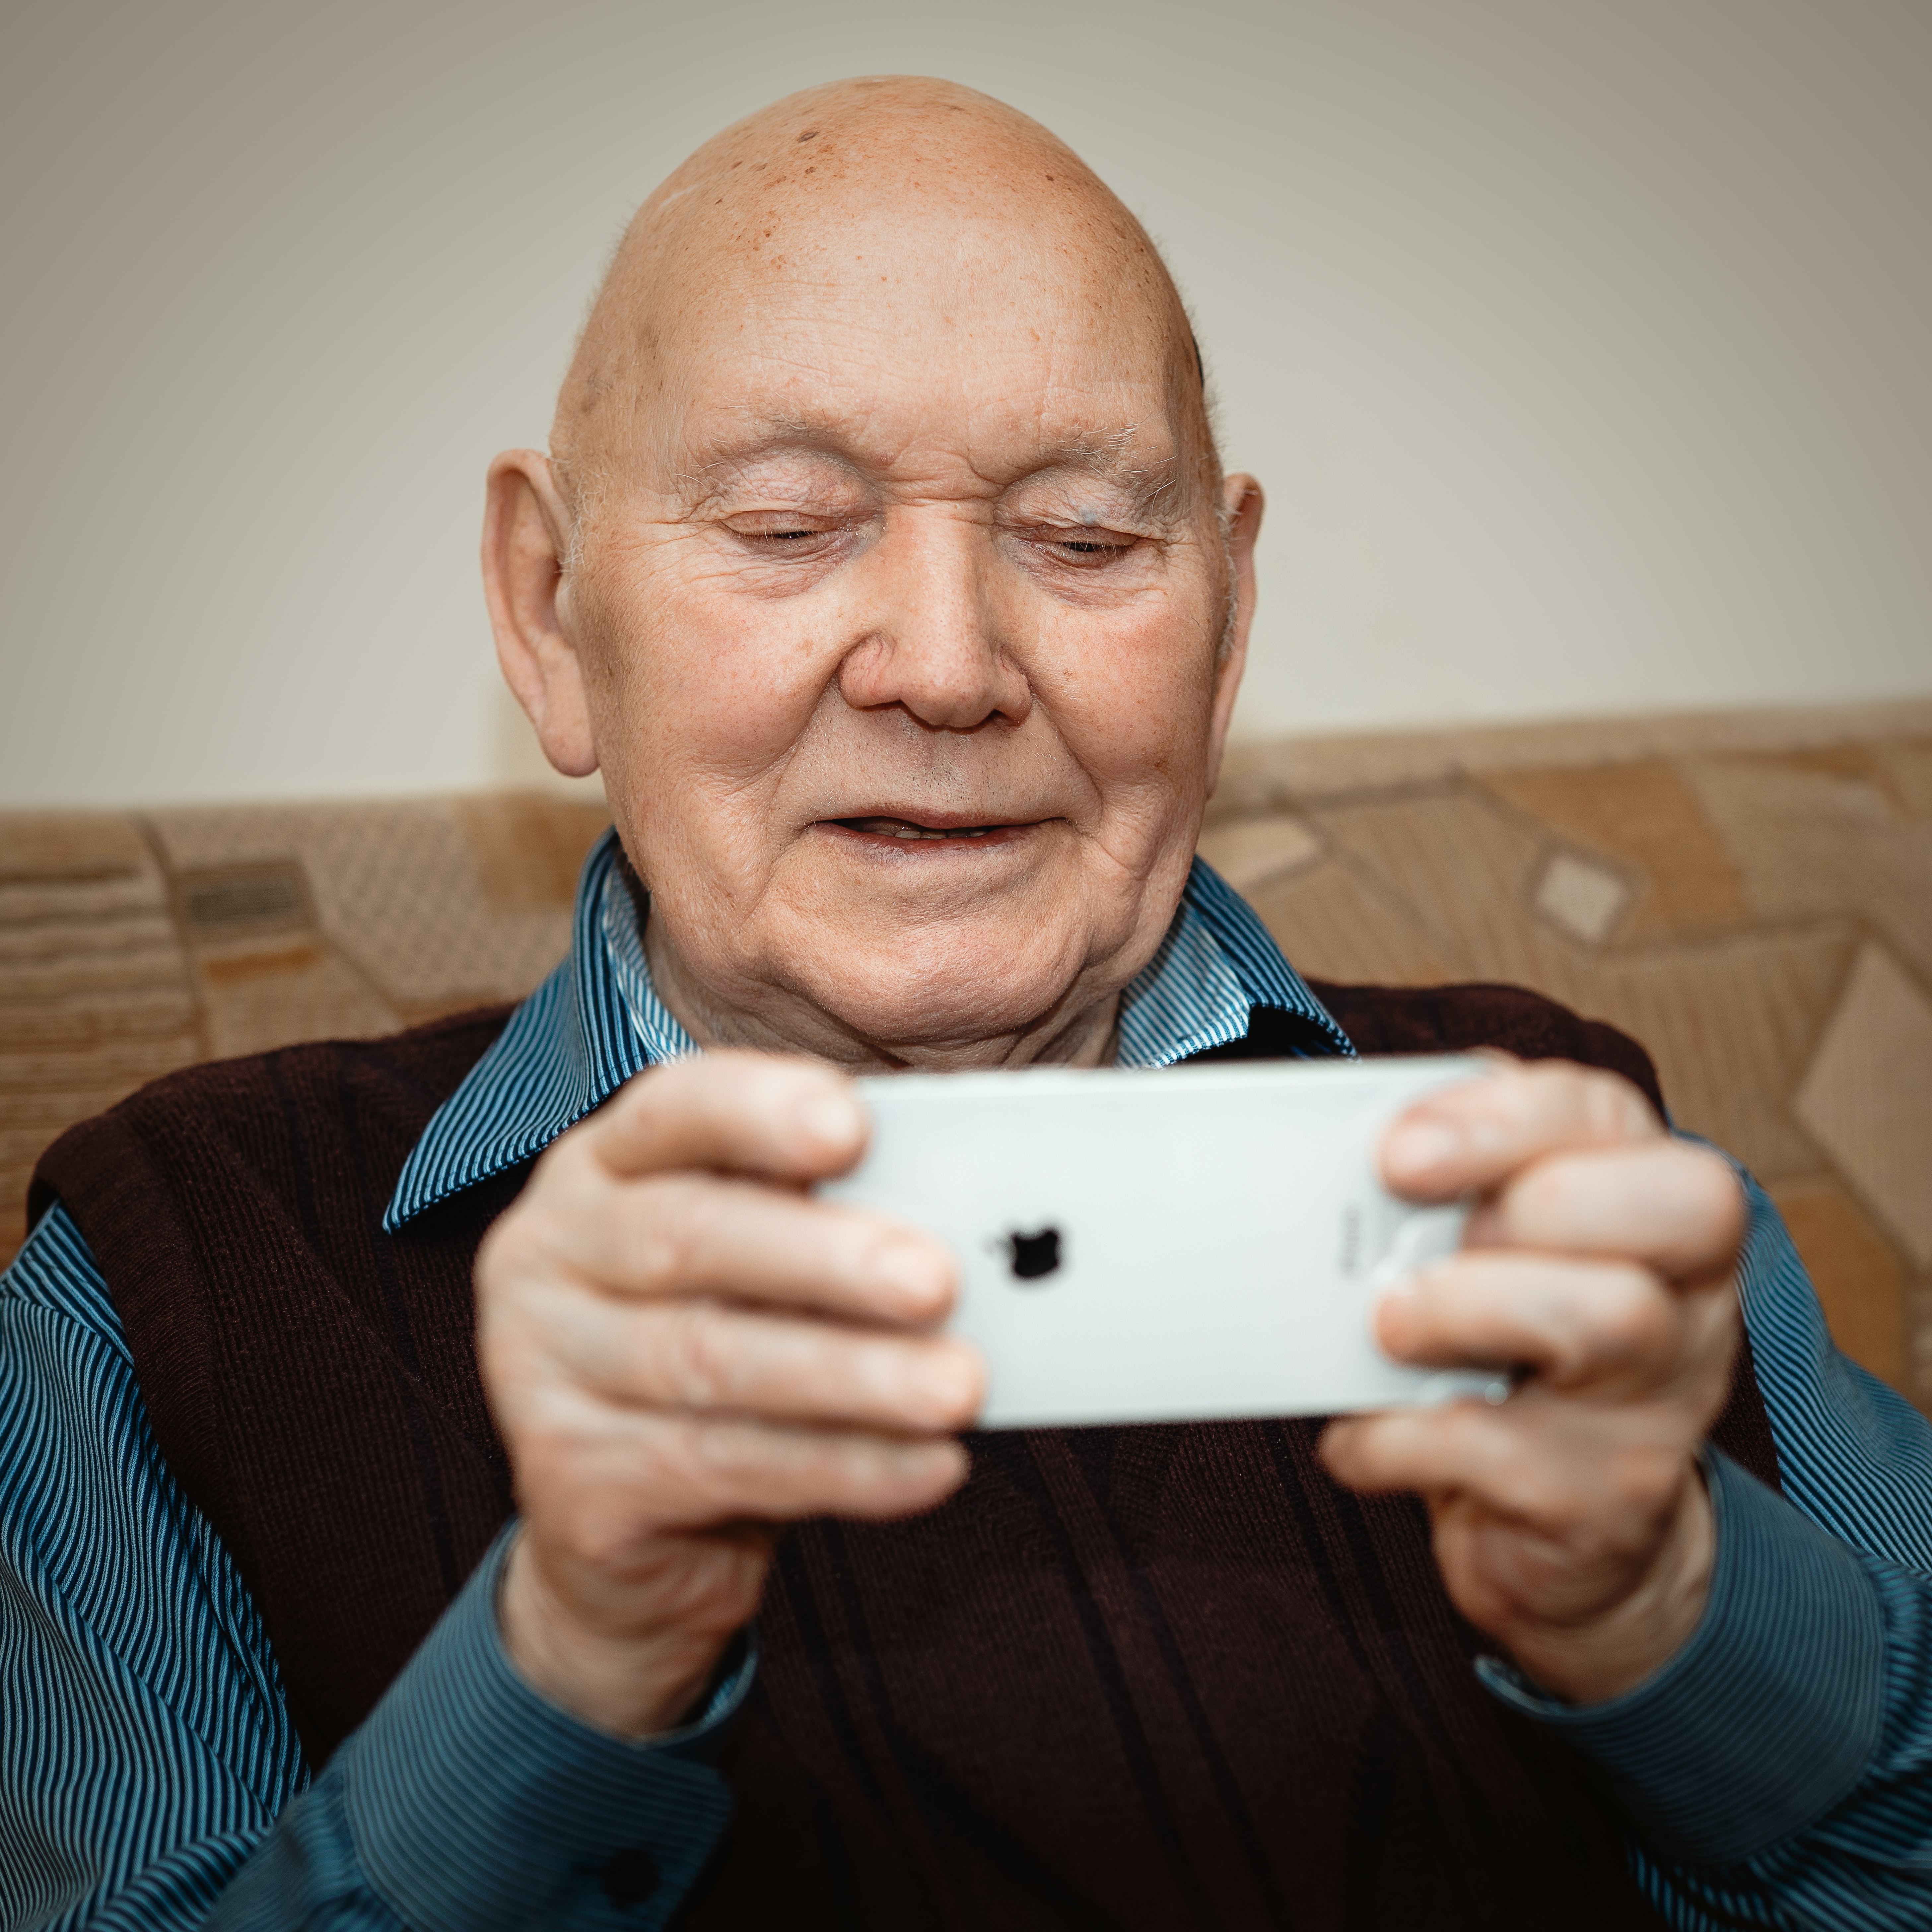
{"points": [[933, 960], [915, 991]]}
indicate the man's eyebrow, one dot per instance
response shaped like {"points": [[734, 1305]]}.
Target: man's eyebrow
{"points": [[1154, 488], [728, 461]]}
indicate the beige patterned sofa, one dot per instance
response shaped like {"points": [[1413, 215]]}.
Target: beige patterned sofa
{"points": [[1750, 894]]}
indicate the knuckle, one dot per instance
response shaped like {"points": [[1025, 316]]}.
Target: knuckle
{"points": [[516, 1256], [647, 1096], [503, 1254], [1500, 1459], [1558, 1089], [501, 1334], [671, 1223], [1618, 1108], [551, 1441], [1600, 1100], [697, 1358], [1631, 1317], [1592, 1103], [1715, 1320], [1717, 1195], [722, 1466], [1564, 1081], [1549, 1193], [564, 1169]]}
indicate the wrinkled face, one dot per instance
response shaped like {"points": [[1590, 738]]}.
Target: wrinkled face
{"points": [[902, 613]]}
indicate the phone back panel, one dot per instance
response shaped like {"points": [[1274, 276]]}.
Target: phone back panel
{"points": [[1187, 1243]]}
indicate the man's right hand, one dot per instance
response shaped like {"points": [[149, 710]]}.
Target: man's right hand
{"points": [[682, 1348]]}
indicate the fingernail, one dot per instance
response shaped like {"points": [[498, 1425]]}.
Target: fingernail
{"points": [[1422, 1144], [1389, 1321]]}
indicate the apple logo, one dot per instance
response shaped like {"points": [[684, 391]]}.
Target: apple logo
{"points": [[1030, 1256]]}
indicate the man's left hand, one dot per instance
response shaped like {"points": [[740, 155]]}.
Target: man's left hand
{"points": [[1570, 1521]]}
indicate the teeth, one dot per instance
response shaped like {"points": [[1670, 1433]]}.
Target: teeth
{"points": [[899, 828]]}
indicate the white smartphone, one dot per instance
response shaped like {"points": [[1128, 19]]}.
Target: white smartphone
{"points": [[1173, 1245]]}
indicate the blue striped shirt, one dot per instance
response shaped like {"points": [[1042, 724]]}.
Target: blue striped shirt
{"points": [[149, 1776]]}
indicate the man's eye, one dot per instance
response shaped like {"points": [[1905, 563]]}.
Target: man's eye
{"points": [[1089, 548], [788, 535]]}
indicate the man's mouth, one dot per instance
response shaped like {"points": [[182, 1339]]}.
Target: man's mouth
{"points": [[913, 831], [904, 828]]}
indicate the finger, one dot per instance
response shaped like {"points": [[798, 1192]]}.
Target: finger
{"points": [[648, 1470], [694, 1234], [1467, 1138], [1677, 1209], [788, 1118], [697, 1355], [1571, 1321], [1541, 1458]]}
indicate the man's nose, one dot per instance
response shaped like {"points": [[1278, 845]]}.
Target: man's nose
{"points": [[931, 640]]}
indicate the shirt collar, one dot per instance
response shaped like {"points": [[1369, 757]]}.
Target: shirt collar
{"points": [[597, 1020]]}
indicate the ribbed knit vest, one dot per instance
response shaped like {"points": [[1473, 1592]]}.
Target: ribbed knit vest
{"points": [[1154, 1677]]}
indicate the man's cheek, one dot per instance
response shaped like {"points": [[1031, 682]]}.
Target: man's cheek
{"points": [[1132, 700], [736, 692]]}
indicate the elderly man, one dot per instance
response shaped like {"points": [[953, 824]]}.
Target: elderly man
{"points": [[883, 565]]}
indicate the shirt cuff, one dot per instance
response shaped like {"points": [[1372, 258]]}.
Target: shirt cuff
{"points": [[476, 1804], [1765, 1719]]}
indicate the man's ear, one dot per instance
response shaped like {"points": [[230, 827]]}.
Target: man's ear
{"points": [[1242, 503], [525, 531]]}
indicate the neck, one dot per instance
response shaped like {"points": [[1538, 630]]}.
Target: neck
{"points": [[1077, 1031]]}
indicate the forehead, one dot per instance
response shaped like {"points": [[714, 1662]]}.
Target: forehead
{"points": [[880, 335]]}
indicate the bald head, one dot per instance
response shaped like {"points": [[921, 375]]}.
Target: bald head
{"points": [[882, 563], [864, 198]]}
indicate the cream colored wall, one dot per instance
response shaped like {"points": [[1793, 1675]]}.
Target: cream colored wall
{"points": [[1583, 347]]}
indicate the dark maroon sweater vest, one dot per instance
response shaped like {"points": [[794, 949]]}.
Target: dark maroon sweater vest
{"points": [[1160, 1677]]}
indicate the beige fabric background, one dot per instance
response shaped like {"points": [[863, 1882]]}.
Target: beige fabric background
{"points": [[1751, 895]]}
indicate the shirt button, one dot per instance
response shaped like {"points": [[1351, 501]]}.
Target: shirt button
{"points": [[629, 1876]]}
